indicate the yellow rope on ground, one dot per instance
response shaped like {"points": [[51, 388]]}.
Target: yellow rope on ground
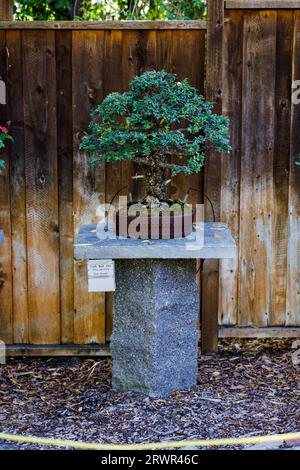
{"points": [[153, 445]]}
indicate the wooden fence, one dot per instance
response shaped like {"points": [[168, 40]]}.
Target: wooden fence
{"points": [[260, 183], [55, 73], [252, 61], [54, 78]]}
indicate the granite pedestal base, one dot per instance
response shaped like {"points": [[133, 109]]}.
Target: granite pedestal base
{"points": [[155, 337], [154, 343]]}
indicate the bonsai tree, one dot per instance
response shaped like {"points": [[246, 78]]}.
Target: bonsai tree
{"points": [[4, 136], [160, 123]]}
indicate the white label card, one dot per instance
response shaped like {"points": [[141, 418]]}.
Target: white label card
{"points": [[101, 275]]}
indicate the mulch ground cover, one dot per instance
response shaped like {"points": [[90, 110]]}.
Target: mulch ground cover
{"points": [[250, 388]]}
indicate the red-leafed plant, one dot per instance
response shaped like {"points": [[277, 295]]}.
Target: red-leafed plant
{"points": [[4, 138]]}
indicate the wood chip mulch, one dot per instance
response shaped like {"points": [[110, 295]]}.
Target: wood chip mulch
{"points": [[249, 388]]}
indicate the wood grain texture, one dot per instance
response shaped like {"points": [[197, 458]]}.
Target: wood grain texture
{"points": [[6, 326], [259, 333], [212, 173], [139, 55], [256, 240], [114, 182], [68, 350], [17, 189], [262, 4], [165, 61], [284, 60], [293, 254], [113, 82], [259, 52], [230, 164], [189, 48], [65, 181], [98, 25], [129, 69], [186, 48], [88, 182], [39, 75], [6, 10]]}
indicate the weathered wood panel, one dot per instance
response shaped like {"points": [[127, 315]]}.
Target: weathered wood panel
{"points": [[39, 76], [230, 164], [261, 4], [65, 181], [17, 189], [293, 256], [88, 182], [188, 47], [102, 25], [6, 10], [49, 188], [139, 55], [52, 188], [268, 129], [113, 182], [256, 241], [285, 27], [6, 326], [212, 174]]}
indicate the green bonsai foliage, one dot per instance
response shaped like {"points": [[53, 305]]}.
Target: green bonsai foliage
{"points": [[160, 123]]}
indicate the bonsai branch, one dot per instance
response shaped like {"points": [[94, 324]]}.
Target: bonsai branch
{"points": [[145, 161]]}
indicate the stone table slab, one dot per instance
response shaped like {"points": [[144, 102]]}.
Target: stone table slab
{"points": [[218, 244]]}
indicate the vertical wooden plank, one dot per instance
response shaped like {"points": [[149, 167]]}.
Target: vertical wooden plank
{"points": [[112, 82], [129, 69], [39, 74], [293, 255], [6, 10], [230, 164], [256, 207], [285, 24], [188, 56], [212, 173], [146, 51], [188, 59], [143, 59], [65, 181], [164, 50], [128, 54], [17, 189], [6, 330], [88, 182], [164, 54], [122, 54], [130, 62]]}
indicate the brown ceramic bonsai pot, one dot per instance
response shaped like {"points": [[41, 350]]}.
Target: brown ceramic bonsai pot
{"points": [[155, 225]]}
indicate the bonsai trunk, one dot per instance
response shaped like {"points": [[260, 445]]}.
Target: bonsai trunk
{"points": [[155, 178]]}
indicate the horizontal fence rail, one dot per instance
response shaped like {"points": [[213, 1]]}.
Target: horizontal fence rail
{"points": [[262, 4], [111, 25]]}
